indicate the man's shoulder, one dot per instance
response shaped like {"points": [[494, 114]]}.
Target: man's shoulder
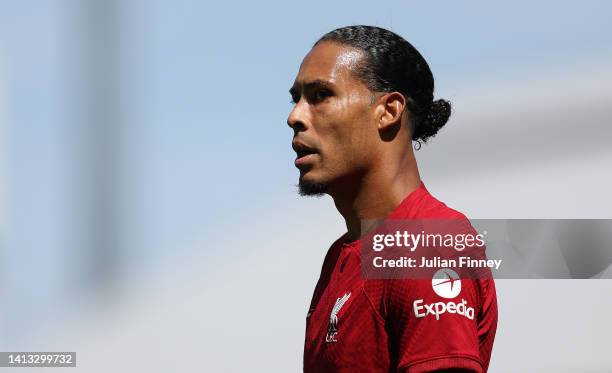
{"points": [[333, 252], [426, 206]]}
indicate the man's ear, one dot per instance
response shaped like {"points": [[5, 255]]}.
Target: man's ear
{"points": [[390, 108]]}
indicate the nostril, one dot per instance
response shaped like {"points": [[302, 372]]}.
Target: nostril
{"points": [[296, 125], [295, 121]]}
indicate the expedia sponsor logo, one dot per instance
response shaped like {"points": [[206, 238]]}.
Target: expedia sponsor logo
{"points": [[446, 284], [438, 308]]}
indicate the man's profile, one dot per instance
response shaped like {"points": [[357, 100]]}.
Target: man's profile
{"points": [[361, 97]]}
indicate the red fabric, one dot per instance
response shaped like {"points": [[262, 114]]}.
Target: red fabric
{"points": [[376, 328]]}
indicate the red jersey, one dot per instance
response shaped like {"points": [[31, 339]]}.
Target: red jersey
{"points": [[397, 325]]}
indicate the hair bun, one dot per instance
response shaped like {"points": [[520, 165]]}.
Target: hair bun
{"points": [[435, 118]]}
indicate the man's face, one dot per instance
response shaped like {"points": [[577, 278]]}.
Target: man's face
{"points": [[333, 119]]}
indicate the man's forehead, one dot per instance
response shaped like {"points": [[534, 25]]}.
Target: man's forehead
{"points": [[330, 62]]}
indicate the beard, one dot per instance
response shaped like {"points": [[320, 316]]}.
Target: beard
{"points": [[312, 189]]}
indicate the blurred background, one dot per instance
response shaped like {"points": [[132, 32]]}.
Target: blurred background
{"points": [[149, 218]]}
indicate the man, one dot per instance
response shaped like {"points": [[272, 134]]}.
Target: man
{"points": [[362, 95]]}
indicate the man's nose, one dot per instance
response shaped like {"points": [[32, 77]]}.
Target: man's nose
{"points": [[297, 118]]}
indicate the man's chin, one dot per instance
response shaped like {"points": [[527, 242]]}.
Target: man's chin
{"points": [[311, 188]]}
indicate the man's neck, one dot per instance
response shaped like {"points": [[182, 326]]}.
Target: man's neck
{"points": [[375, 195]]}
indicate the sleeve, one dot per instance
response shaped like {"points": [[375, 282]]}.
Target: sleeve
{"points": [[433, 330]]}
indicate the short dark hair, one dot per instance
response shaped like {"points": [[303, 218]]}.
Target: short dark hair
{"points": [[394, 65]]}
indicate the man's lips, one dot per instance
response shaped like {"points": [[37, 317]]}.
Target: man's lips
{"points": [[305, 153], [304, 159]]}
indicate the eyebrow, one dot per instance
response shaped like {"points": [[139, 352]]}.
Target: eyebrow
{"points": [[317, 83]]}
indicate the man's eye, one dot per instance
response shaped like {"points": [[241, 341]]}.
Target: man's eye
{"points": [[321, 95], [295, 99]]}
